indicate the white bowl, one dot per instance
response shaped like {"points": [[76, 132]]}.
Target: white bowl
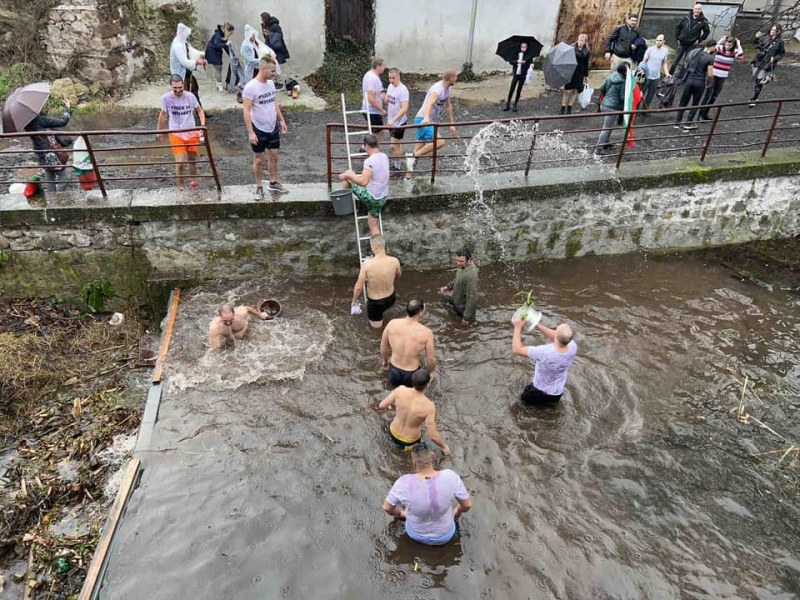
{"points": [[530, 315]]}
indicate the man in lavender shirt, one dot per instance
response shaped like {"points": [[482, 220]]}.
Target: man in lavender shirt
{"points": [[424, 499], [552, 362]]}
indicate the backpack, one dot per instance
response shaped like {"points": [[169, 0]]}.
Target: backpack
{"points": [[689, 64]]}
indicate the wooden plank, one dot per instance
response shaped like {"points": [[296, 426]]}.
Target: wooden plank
{"points": [[165, 341], [109, 529]]}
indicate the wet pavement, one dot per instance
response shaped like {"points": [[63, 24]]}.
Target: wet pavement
{"points": [[270, 461]]}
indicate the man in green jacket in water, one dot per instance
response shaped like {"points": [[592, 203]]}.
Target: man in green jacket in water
{"points": [[462, 292]]}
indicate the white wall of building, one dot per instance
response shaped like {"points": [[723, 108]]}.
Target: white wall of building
{"points": [[303, 23], [427, 36]]}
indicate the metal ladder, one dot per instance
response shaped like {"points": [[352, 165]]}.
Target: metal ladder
{"points": [[361, 238]]}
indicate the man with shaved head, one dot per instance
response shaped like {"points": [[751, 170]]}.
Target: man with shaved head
{"points": [[437, 98], [552, 362], [230, 324]]}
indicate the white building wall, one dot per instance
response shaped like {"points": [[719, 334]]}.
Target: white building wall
{"points": [[303, 23], [427, 36]]}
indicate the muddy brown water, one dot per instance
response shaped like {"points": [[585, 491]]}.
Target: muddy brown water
{"points": [[639, 485]]}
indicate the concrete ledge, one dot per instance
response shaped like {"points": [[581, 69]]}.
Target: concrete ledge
{"points": [[311, 200]]}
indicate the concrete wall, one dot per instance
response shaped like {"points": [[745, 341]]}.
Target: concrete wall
{"points": [[303, 23], [425, 36]]}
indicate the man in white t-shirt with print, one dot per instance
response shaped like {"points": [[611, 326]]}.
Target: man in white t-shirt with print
{"points": [[372, 94], [437, 98], [371, 186], [397, 112], [264, 122], [179, 106]]}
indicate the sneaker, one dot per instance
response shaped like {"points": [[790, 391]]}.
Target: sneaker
{"points": [[410, 162], [398, 165], [752, 105], [689, 126], [220, 88], [676, 126], [276, 187], [259, 195]]}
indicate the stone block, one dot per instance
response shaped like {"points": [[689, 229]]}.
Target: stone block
{"points": [[109, 29], [22, 244], [4, 243], [80, 240], [13, 234]]}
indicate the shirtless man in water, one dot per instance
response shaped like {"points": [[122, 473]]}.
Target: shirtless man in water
{"points": [[378, 273], [407, 338], [413, 409], [230, 324]]}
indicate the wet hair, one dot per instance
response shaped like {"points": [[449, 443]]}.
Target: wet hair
{"points": [[175, 78], [225, 308], [421, 454], [564, 334], [464, 251], [622, 68], [709, 44], [420, 379], [415, 307], [376, 62], [266, 61], [378, 241], [370, 140]]}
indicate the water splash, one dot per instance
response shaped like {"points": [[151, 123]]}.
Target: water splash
{"points": [[276, 350]]}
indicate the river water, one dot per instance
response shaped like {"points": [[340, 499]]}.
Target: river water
{"points": [[271, 461]]}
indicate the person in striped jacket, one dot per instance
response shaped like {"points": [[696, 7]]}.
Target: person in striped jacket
{"points": [[729, 50]]}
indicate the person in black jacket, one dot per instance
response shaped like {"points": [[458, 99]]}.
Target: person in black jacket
{"points": [[770, 51], [519, 70], [217, 45], [689, 32], [273, 37], [579, 77], [46, 145], [620, 44]]}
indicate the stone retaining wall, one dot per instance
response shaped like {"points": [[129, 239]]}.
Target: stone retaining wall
{"points": [[189, 244]]}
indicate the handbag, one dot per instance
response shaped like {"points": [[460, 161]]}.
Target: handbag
{"points": [[58, 149], [585, 97]]}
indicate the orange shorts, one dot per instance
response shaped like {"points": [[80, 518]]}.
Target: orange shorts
{"points": [[182, 146]]}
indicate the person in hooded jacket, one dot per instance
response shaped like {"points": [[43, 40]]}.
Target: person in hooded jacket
{"points": [[217, 45], [689, 32], [613, 93], [770, 51], [273, 36], [180, 63], [249, 53]]}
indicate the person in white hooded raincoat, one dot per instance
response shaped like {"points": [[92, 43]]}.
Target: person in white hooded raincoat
{"points": [[179, 62]]}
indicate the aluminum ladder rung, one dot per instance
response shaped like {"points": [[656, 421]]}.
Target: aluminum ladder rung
{"points": [[357, 154], [364, 238], [362, 218], [359, 132], [353, 112]]}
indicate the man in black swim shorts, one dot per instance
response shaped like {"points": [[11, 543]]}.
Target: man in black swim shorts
{"points": [[406, 339]]}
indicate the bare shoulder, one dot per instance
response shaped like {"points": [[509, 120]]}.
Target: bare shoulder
{"points": [[240, 311]]}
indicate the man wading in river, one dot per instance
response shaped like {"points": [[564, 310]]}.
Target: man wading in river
{"points": [[462, 292], [552, 362], [378, 273], [413, 408], [407, 338], [230, 324]]}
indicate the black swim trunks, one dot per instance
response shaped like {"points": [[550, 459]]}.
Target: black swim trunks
{"points": [[405, 443], [376, 308], [533, 396], [400, 377]]}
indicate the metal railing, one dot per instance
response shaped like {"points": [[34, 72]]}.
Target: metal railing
{"points": [[647, 136], [114, 163]]}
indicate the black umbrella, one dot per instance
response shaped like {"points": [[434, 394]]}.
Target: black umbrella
{"points": [[508, 49]]}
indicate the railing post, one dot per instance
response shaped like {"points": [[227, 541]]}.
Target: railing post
{"points": [[772, 128], [95, 166], [624, 140], [533, 146], [329, 157], [711, 131], [435, 148], [211, 162]]}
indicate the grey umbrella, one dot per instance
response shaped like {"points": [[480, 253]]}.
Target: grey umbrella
{"points": [[23, 105], [559, 65]]}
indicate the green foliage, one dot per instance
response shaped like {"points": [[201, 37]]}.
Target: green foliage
{"points": [[95, 293], [342, 68], [16, 76], [527, 298], [4, 257]]}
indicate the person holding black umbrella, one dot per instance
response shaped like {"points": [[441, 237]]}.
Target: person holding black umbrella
{"points": [[520, 69], [579, 77]]}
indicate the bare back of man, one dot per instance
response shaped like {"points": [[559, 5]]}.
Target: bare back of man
{"points": [[413, 410], [381, 272], [407, 338]]}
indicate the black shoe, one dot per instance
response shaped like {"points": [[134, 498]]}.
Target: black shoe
{"points": [[706, 118], [569, 110], [507, 107], [278, 86], [563, 110], [514, 108]]}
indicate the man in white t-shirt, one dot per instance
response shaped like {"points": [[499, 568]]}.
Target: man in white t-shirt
{"points": [[180, 106], [438, 97], [397, 113], [655, 65], [371, 186], [372, 94], [264, 122]]}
